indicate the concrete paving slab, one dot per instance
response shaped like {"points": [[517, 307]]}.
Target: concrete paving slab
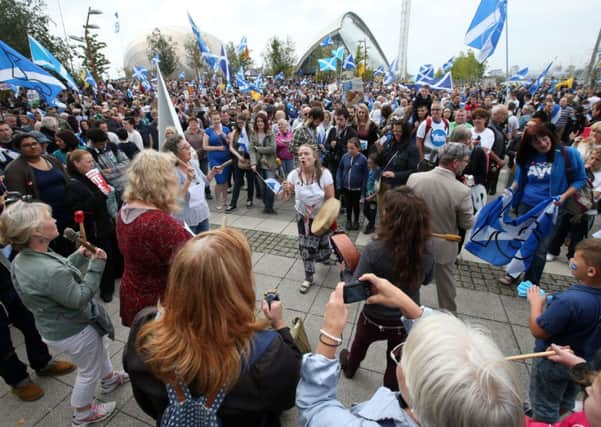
{"points": [[272, 225], [500, 332], [517, 309], [480, 304], [264, 283], [132, 409], [292, 298], [273, 265]]}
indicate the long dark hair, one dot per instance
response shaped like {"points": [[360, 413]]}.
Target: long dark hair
{"points": [[526, 149], [405, 229]]}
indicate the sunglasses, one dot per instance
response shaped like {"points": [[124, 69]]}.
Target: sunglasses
{"points": [[397, 352]]}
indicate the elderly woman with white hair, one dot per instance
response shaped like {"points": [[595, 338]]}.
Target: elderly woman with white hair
{"points": [[449, 373]]}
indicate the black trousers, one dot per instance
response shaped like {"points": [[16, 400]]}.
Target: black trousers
{"points": [[566, 224], [370, 210], [239, 175], [13, 311], [352, 200]]}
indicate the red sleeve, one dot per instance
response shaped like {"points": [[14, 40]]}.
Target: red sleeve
{"points": [[165, 236]]}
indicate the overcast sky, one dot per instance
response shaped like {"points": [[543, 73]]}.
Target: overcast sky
{"points": [[539, 30]]}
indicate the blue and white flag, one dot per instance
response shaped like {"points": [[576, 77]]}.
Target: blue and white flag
{"points": [[540, 79], [499, 239], [425, 75], [210, 58], [42, 57], [443, 83], [279, 76], [327, 64], [243, 85], [240, 73], [349, 63], [130, 94], [486, 27], [89, 79], [146, 84], [520, 75], [338, 53], [17, 70], [259, 83], [379, 71], [117, 27], [181, 75], [224, 64], [242, 46], [139, 73], [448, 65], [326, 42], [156, 59], [273, 185]]}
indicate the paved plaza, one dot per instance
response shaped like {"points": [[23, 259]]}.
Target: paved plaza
{"points": [[480, 300]]}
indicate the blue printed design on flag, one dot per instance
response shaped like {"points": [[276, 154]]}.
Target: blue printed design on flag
{"points": [[379, 71], [327, 64], [448, 65], [486, 27], [42, 57], [438, 137], [273, 185], [540, 80], [242, 46], [349, 63], [139, 73], [338, 53], [499, 239], [520, 75], [210, 58], [327, 42]]}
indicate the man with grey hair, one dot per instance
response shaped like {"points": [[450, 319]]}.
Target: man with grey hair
{"points": [[498, 118], [451, 209]]}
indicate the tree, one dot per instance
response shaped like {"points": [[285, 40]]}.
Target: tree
{"points": [[466, 68], [165, 47], [279, 55], [93, 56], [195, 60], [22, 17], [235, 59], [439, 73]]}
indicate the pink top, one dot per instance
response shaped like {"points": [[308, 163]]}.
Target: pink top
{"points": [[282, 142]]}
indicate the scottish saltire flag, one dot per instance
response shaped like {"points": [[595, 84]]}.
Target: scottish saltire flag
{"points": [[486, 27], [379, 71], [425, 75], [89, 79], [242, 84], [17, 70], [540, 79], [224, 64], [349, 63], [181, 75], [273, 185], [156, 59], [130, 94], [327, 64], [499, 239], [338, 53], [210, 58], [146, 84], [116, 22], [279, 76], [240, 74], [139, 73], [520, 75], [42, 57], [448, 65], [242, 46], [443, 83], [327, 42]]}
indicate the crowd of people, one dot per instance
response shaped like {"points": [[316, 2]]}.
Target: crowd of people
{"points": [[408, 162]]}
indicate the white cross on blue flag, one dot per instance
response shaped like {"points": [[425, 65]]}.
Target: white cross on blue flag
{"points": [[486, 27]]}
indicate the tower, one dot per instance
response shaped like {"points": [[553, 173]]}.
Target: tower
{"points": [[404, 38]]}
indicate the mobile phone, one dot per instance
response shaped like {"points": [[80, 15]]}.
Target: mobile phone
{"points": [[271, 296], [355, 291]]}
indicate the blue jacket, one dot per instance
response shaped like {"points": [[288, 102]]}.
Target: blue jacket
{"points": [[352, 172], [559, 178]]}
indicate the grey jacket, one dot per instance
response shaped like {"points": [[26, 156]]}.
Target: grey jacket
{"points": [[56, 291], [262, 153]]}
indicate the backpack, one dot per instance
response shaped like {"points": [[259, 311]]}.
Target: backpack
{"points": [[193, 412], [583, 200], [429, 125]]}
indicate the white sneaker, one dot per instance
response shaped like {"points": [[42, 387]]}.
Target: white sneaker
{"points": [[98, 412], [550, 257], [304, 287], [109, 385]]}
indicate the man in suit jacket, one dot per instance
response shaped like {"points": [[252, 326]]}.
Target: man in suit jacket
{"points": [[450, 208]]}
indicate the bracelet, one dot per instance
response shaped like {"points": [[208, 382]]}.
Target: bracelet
{"points": [[337, 340], [328, 344]]}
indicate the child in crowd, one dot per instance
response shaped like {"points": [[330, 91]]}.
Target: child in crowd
{"points": [[351, 178], [129, 148], [370, 205], [571, 319]]}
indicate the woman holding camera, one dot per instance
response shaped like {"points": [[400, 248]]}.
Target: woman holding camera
{"points": [[206, 341], [399, 253], [61, 298]]}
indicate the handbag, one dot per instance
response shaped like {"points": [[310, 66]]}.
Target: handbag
{"points": [[297, 330], [101, 321], [581, 202]]}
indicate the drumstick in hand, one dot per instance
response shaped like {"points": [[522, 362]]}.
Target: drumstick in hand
{"points": [[449, 237]]}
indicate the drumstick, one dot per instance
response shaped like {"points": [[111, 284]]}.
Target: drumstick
{"points": [[449, 237], [530, 355]]}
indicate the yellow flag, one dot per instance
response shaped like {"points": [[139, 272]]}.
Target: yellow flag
{"points": [[255, 95], [83, 77], [568, 83], [361, 69]]}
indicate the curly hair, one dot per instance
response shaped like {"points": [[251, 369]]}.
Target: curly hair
{"points": [[405, 229]]}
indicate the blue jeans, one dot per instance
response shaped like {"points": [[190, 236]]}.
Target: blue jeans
{"points": [[287, 167], [551, 390], [201, 227], [268, 196], [539, 260]]}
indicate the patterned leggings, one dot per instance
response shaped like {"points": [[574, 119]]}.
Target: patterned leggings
{"points": [[312, 248]]}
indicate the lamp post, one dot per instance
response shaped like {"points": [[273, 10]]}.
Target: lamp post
{"points": [[87, 41]]}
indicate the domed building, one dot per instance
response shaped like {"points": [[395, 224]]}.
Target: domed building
{"points": [[348, 31], [136, 51]]}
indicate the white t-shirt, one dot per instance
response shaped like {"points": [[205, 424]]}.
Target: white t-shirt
{"points": [[436, 137], [309, 197], [135, 137], [487, 138], [597, 182]]}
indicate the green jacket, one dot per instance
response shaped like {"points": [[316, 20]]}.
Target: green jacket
{"points": [[262, 154], [56, 291]]}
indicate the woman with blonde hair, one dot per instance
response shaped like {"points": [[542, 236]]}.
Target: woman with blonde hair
{"points": [[61, 297], [206, 342], [367, 131], [147, 233]]}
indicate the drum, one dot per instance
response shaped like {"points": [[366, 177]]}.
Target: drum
{"points": [[345, 250], [326, 216]]}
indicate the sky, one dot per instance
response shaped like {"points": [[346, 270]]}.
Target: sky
{"points": [[539, 30]]}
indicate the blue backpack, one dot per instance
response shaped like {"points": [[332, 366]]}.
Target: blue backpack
{"points": [[193, 412]]}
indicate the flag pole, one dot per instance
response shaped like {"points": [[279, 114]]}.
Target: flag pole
{"points": [[507, 90]]}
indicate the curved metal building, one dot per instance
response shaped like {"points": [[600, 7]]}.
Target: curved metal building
{"points": [[349, 31]]}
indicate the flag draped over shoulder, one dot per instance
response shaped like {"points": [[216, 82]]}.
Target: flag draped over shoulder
{"points": [[17, 70], [498, 238]]}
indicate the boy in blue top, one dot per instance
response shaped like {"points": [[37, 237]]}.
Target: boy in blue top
{"points": [[351, 179], [370, 205], [572, 318]]}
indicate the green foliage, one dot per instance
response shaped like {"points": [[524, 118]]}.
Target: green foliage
{"points": [[20, 17], [92, 56], [466, 68], [279, 55], [193, 55], [438, 74], [235, 59], [165, 47]]}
